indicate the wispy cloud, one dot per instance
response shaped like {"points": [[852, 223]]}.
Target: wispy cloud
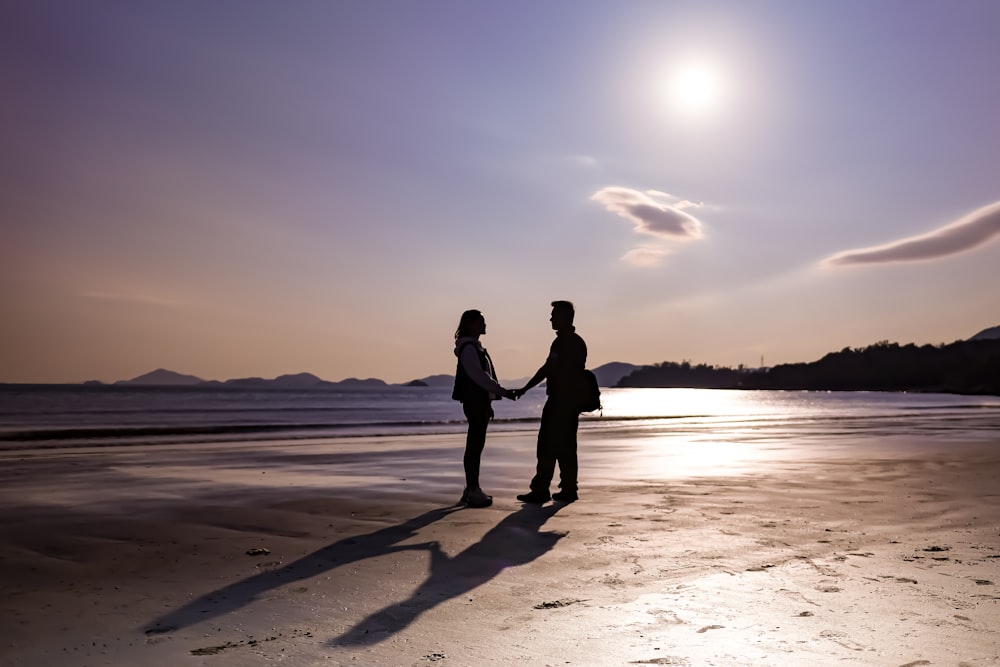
{"points": [[652, 212], [645, 256], [585, 161], [131, 297], [971, 231]]}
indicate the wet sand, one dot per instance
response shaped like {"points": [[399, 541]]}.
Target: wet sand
{"points": [[859, 550]]}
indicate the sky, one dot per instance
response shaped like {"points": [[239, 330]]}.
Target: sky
{"points": [[245, 188]]}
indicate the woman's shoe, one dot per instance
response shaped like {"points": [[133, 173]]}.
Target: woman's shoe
{"points": [[476, 498]]}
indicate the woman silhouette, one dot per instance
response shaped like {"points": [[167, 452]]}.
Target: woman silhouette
{"points": [[476, 387]]}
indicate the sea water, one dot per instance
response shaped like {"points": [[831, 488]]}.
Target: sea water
{"points": [[54, 416]]}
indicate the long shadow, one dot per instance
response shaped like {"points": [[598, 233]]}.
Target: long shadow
{"points": [[342, 552], [516, 540]]}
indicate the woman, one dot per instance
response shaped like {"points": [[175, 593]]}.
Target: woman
{"points": [[476, 387]]}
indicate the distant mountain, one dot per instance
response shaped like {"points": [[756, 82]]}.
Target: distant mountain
{"points": [[300, 381], [987, 334], [245, 383], [163, 378], [355, 383], [297, 381], [610, 374], [435, 381]]}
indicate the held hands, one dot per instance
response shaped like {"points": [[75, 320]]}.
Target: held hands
{"points": [[514, 394]]}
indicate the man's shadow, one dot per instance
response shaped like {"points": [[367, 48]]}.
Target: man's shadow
{"points": [[348, 550], [516, 540]]}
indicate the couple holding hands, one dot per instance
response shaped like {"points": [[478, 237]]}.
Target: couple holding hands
{"points": [[476, 387]]}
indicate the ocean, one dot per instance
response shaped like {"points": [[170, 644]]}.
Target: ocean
{"points": [[62, 416]]}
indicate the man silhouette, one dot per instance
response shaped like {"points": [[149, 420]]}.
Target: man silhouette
{"points": [[563, 370]]}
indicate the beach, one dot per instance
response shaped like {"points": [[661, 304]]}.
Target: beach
{"points": [[862, 548]]}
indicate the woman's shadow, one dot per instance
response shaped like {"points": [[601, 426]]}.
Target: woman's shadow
{"points": [[241, 593], [516, 540]]}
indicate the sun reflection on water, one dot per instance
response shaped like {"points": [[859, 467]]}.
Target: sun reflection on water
{"points": [[646, 403], [655, 433]]}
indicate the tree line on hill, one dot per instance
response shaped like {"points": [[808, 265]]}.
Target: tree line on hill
{"points": [[684, 374], [962, 367]]}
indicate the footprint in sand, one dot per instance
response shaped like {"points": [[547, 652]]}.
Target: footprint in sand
{"points": [[842, 639], [557, 604], [760, 568], [668, 617], [710, 627]]}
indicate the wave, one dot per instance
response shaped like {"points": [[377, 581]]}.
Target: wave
{"points": [[393, 427], [190, 433], [70, 421]]}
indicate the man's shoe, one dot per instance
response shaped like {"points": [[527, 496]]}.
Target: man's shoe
{"points": [[534, 497], [565, 496]]}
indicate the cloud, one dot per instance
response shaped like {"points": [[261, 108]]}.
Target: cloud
{"points": [[130, 297], [652, 212], [972, 231], [645, 256], [585, 161]]}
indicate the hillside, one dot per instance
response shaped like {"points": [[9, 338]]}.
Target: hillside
{"points": [[672, 374], [987, 334], [963, 367], [162, 378], [610, 374]]}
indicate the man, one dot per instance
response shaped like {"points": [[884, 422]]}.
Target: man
{"points": [[560, 417]]}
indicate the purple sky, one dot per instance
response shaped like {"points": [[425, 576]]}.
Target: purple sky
{"points": [[231, 189]]}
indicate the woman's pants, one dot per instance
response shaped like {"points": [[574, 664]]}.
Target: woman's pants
{"points": [[479, 415]]}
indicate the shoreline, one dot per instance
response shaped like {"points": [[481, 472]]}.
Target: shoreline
{"points": [[685, 549]]}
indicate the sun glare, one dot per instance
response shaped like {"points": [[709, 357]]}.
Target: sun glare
{"points": [[696, 88]]}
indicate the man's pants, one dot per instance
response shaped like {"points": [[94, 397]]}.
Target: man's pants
{"points": [[557, 444]]}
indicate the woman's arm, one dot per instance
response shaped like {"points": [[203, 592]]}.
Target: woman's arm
{"points": [[470, 364]]}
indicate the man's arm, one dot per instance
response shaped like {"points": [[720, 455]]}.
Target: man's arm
{"points": [[535, 379]]}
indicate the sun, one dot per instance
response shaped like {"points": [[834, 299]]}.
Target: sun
{"points": [[696, 88]]}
